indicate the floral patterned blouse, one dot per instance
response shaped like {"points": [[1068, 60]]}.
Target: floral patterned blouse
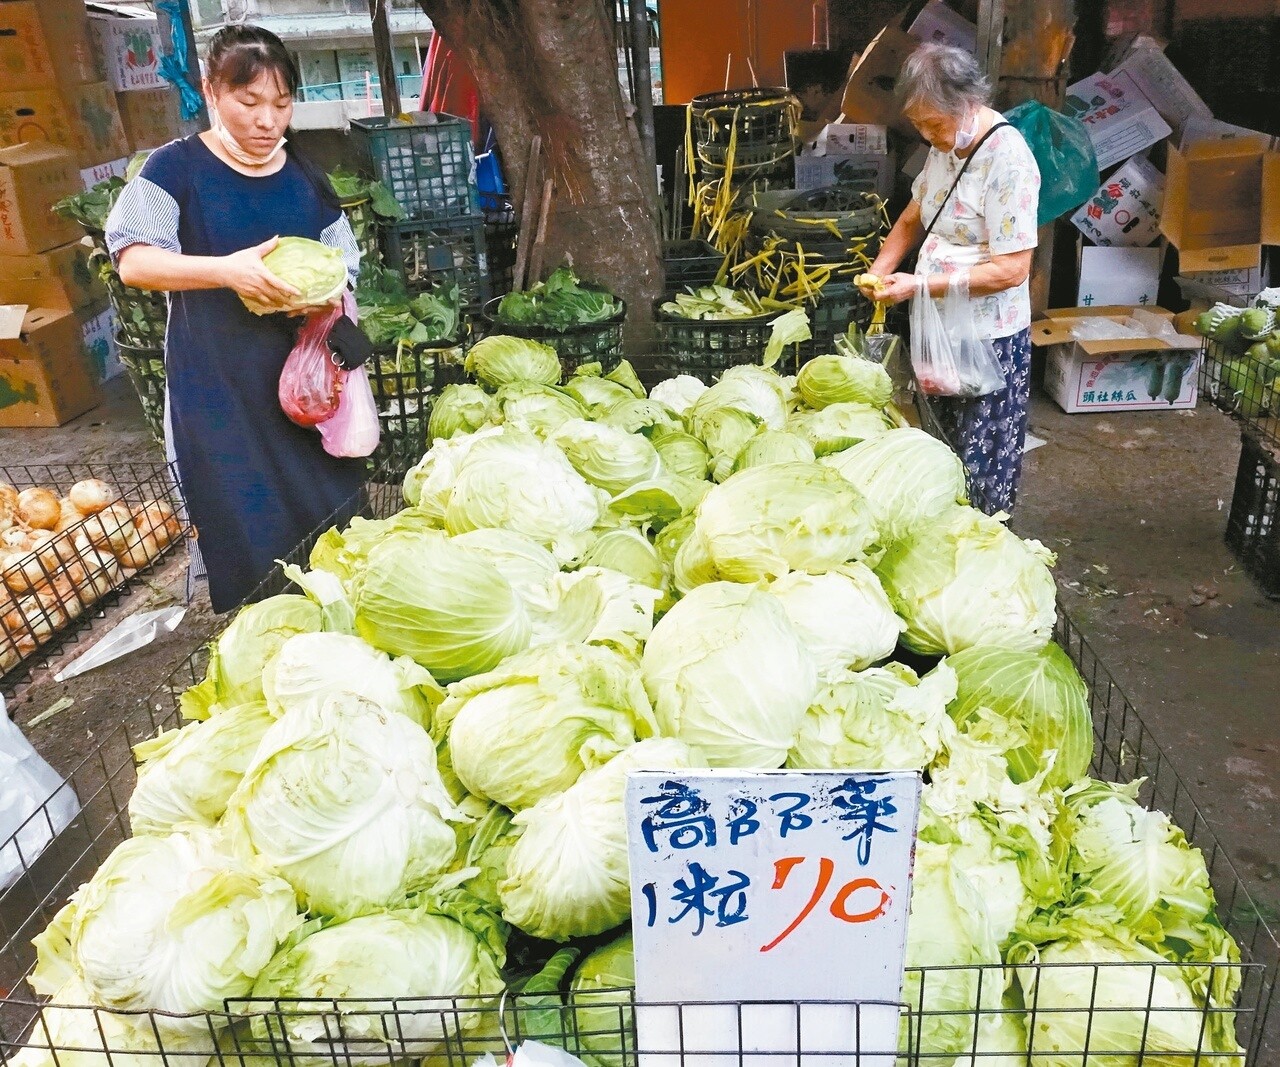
{"points": [[992, 212]]}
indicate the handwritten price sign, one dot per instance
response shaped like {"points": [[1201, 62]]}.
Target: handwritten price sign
{"points": [[770, 886]]}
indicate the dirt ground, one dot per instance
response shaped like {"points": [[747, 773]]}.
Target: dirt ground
{"points": [[1135, 505]]}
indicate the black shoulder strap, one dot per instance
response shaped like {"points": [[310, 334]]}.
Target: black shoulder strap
{"points": [[965, 166]]}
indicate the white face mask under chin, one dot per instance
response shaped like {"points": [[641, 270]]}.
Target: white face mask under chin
{"points": [[964, 136], [235, 149]]}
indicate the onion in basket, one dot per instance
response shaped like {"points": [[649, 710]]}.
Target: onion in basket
{"points": [[112, 527], [68, 516], [156, 519], [39, 508], [92, 495]]}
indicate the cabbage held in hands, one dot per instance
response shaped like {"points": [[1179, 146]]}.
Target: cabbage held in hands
{"points": [[346, 803], [445, 606], [965, 580], [318, 272], [530, 728], [730, 675]]}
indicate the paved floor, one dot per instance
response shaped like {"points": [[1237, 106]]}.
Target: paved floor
{"points": [[1135, 506]]}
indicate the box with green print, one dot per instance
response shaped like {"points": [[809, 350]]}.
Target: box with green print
{"points": [[1116, 373]]}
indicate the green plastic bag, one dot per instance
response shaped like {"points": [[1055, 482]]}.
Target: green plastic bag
{"points": [[1064, 153]]}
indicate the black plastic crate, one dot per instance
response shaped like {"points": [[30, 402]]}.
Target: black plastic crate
{"points": [[706, 348], [1243, 387], [405, 382], [428, 162], [690, 264], [1253, 524], [431, 254], [501, 232]]}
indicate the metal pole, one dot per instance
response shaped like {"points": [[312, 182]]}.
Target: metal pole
{"points": [[642, 83], [384, 58]]}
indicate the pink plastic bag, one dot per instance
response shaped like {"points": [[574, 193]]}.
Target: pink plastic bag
{"points": [[353, 431], [310, 382]]}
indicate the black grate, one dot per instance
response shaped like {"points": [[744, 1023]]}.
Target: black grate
{"points": [[405, 382], [1253, 525]]}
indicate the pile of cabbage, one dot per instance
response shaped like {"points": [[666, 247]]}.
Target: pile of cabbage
{"points": [[406, 780]]}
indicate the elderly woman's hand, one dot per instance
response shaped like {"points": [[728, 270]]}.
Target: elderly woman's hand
{"points": [[895, 288]]}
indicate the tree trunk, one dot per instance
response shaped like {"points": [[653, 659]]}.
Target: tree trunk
{"points": [[549, 67]]}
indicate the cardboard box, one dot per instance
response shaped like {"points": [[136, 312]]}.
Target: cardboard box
{"points": [[1221, 204], [1121, 121], [1114, 375], [938, 24], [46, 43], [151, 117], [1195, 130], [83, 118], [34, 177], [98, 342], [115, 168], [1203, 289], [44, 379], [1161, 83], [1118, 275], [131, 51], [847, 154], [1125, 211], [868, 92], [60, 279]]}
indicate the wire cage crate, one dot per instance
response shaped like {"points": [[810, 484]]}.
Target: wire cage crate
{"points": [[53, 585], [405, 381], [1253, 524], [457, 1030], [1244, 387], [431, 254], [145, 367], [425, 159], [590, 342]]}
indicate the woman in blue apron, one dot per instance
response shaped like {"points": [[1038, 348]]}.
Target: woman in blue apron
{"points": [[196, 222]]}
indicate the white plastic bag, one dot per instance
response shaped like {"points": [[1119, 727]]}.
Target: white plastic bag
{"points": [[533, 1054], [948, 355], [35, 803]]}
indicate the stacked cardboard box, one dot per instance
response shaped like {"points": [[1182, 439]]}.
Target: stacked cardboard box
{"points": [[148, 105], [47, 289]]}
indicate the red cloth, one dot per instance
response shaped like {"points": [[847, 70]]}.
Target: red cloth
{"points": [[448, 86]]}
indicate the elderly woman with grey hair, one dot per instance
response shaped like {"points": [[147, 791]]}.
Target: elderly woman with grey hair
{"points": [[973, 208]]}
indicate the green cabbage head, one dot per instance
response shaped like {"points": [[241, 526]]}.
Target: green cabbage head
{"points": [[460, 409], [604, 1027], [316, 270], [833, 379], [498, 360], [965, 580]]}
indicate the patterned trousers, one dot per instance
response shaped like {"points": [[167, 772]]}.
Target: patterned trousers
{"points": [[988, 432]]}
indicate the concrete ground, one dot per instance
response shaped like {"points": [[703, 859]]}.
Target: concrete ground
{"points": [[1134, 504]]}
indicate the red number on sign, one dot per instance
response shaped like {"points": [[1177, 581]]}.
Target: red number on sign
{"points": [[840, 907]]}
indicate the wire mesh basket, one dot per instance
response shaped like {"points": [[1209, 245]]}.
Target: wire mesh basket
{"points": [[749, 129], [141, 314], [145, 367], [1245, 387], [690, 263], [589, 342], [405, 381], [52, 592], [425, 159], [1253, 524], [705, 348], [457, 1030]]}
